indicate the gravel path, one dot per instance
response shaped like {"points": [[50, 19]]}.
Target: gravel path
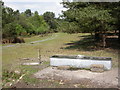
{"points": [[45, 39], [51, 38]]}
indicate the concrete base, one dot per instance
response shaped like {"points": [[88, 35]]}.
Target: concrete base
{"points": [[33, 63], [63, 67], [97, 68]]}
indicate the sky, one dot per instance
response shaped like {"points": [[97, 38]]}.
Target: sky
{"points": [[39, 5], [36, 5]]}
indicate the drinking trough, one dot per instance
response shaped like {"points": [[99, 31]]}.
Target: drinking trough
{"points": [[80, 61]]}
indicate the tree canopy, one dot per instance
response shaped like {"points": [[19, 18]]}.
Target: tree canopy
{"points": [[50, 19], [16, 24], [91, 17]]}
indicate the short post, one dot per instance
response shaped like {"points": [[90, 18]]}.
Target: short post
{"points": [[104, 40], [39, 56]]}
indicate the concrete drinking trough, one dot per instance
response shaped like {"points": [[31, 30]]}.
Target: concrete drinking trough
{"points": [[81, 61]]}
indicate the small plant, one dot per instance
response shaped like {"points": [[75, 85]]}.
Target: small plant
{"points": [[9, 77]]}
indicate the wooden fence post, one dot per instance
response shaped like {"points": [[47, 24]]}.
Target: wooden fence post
{"points": [[104, 40], [39, 56]]}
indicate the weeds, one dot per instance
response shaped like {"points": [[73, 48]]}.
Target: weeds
{"points": [[9, 77], [74, 68]]}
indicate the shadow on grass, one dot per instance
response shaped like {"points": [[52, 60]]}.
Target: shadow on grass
{"points": [[87, 43], [113, 43]]}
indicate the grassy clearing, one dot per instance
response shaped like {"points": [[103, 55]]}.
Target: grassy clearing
{"points": [[67, 44], [59, 45], [12, 54]]}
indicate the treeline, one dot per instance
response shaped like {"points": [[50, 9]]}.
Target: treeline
{"points": [[93, 17], [27, 23]]}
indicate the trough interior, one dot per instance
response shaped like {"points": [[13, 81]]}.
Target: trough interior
{"points": [[83, 57]]}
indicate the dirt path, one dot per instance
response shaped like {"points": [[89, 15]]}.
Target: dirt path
{"points": [[107, 79], [51, 38]]}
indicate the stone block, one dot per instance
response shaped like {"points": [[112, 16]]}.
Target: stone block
{"points": [[63, 67], [97, 68]]}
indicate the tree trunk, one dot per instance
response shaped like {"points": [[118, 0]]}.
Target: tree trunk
{"points": [[97, 36], [115, 32]]}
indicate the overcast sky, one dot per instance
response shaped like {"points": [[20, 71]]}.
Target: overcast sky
{"points": [[36, 5]]}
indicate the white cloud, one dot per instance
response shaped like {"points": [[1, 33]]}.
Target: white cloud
{"points": [[41, 7], [61, 0], [32, 0]]}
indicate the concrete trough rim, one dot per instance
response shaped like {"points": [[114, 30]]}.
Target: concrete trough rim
{"points": [[82, 58]]}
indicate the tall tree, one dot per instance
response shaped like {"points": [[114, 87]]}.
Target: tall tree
{"points": [[88, 16], [38, 23], [28, 13], [50, 19], [102, 16]]}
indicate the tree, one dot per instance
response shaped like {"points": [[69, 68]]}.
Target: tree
{"points": [[92, 17], [49, 17], [15, 24], [88, 16], [114, 10], [38, 23], [10, 30], [7, 15], [28, 13]]}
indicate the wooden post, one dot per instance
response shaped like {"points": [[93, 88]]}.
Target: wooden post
{"points": [[104, 40], [39, 56]]}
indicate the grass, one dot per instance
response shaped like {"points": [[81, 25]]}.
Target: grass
{"points": [[51, 47], [63, 43], [29, 79], [29, 71], [36, 38], [9, 77], [29, 39]]}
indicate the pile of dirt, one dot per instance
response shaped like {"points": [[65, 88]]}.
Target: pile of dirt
{"points": [[107, 79]]}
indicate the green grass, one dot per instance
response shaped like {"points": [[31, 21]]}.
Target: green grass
{"points": [[48, 48], [36, 38], [8, 77], [30, 70], [67, 44]]}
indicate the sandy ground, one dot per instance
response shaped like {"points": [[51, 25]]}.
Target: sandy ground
{"points": [[107, 79]]}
